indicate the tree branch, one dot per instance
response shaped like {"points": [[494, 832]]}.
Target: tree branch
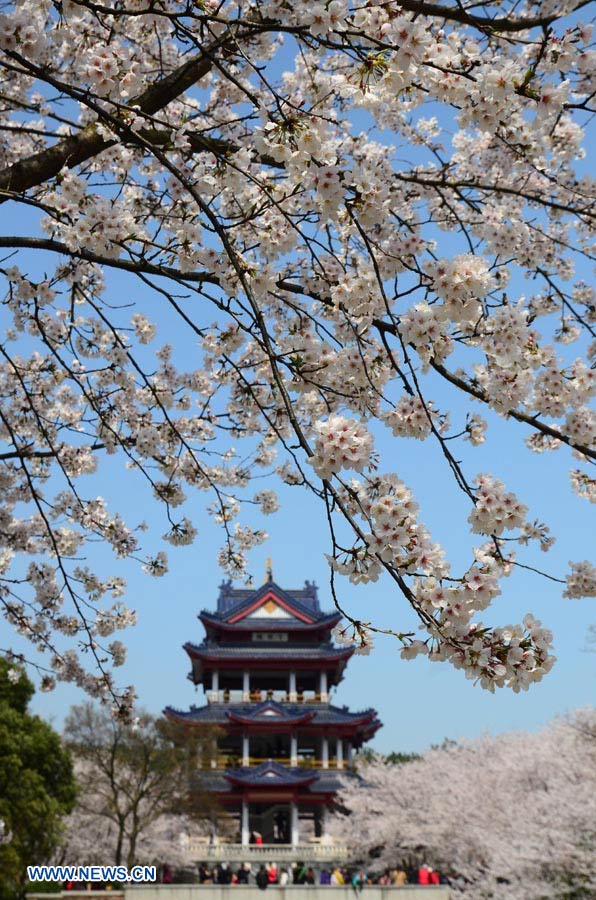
{"points": [[38, 168]]}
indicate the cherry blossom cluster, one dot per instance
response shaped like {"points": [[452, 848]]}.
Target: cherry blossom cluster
{"points": [[581, 581], [341, 443], [221, 275], [411, 417], [495, 510], [485, 848]]}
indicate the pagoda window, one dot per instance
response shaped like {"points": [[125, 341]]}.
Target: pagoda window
{"points": [[264, 747], [307, 751], [270, 637], [230, 752]]}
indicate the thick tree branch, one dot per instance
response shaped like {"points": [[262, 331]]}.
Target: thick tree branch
{"points": [[459, 13], [480, 394], [128, 265], [74, 150]]}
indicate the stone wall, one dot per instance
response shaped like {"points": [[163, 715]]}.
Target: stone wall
{"points": [[235, 892], [291, 892]]}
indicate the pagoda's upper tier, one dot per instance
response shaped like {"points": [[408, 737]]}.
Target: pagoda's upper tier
{"points": [[269, 608], [230, 597]]}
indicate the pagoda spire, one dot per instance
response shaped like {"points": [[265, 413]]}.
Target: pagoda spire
{"points": [[268, 571]]}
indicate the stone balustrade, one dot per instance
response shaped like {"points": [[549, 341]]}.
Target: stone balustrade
{"points": [[265, 853]]}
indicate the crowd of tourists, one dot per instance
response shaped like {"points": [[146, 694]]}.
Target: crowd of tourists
{"points": [[301, 874]]}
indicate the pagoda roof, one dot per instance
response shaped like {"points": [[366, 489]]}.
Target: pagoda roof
{"points": [[270, 714], [276, 713], [251, 609], [269, 652], [272, 775], [230, 597], [273, 623]]}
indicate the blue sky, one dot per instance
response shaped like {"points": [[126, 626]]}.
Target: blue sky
{"points": [[419, 702]]}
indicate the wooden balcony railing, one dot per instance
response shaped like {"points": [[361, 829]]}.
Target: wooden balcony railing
{"points": [[311, 697], [233, 761]]}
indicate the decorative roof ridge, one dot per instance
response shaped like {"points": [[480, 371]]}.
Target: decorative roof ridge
{"points": [[271, 769], [178, 712], [268, 704], [284, 708], [344, 709], [228, 593], [274, 588], [222, 619], [280, 714]]}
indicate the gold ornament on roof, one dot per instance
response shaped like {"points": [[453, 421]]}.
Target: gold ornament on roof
{"points": [[268, 570]]}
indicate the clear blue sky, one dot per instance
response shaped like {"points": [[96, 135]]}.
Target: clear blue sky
{"points": [[419, 702]]}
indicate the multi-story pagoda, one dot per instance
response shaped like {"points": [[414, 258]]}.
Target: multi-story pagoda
{"points": [[268, 666]]}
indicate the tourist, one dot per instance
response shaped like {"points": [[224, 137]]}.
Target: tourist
{"points": [[272, 873], [325, 877], [337, 877], [284, 877], [310, 877], [243, 873], [262, 878], [359, 880], [224, 874], [424, 874], [299, 872], [433, 877], [166, 874], [398, 877], [205, 876]]}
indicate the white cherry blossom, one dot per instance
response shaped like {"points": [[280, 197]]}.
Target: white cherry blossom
{"points": [[250, 242]]}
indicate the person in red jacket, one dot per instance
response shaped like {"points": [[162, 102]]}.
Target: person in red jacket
{"points": [[424, 874], [434, 877], [272, 873]]}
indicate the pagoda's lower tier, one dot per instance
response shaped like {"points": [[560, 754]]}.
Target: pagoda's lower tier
{"points": [[274, 803]]}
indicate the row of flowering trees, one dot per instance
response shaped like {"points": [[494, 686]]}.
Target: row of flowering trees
{"points": [[512, 816], [341, 211], [139, 798], [105, 792]]}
